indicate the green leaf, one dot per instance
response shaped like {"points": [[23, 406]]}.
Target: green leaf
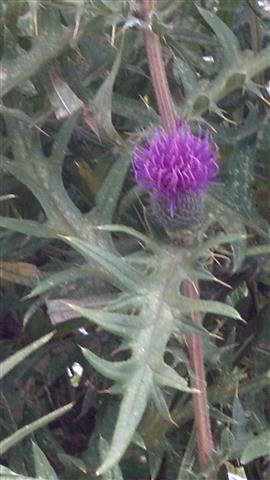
{"points": [[257, 447], [23, 432], [216, 414], [240, 177], [231, 221], [16, 113], [118, 371], [115, 472], [226, 37], [226, 441], [42, 175], [72, 462], [134, 110], [43, 467], [239, 429], [19, 356], [129, 231], [188, 78], [167, 377], [48, 45], [61, 141], [187, 305], [108, 194], [119, 324], [119, 272], [160, 403], [187, 326], [62, 98], [27, 227], [130, 414], [7, 474], [103, 101], [50, 282], [258, 250], [231, 78], [139, 441], [220, 239], [155, 460]]}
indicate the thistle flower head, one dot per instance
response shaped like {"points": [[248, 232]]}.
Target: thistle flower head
{"points": [[173, 164]]}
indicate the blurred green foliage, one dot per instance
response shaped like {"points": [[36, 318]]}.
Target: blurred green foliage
{"points": [[81, 258]]}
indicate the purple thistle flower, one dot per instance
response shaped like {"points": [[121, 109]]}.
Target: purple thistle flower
{"points": [[173, 164]]}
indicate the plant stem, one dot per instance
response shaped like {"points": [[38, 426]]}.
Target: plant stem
{"points": [[157, 69], [200, 400], [255, 37], [168, 117]]}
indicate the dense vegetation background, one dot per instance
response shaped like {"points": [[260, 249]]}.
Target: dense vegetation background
{"points": [[75, 233]]}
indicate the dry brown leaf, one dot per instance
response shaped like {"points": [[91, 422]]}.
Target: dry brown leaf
{"points": [[19, 272]]}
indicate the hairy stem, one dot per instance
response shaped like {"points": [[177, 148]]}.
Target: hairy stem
{"points": [[200, 400], [157, 69]]}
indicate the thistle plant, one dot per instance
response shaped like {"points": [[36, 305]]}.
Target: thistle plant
{"points": [[177, 167], [135, 254]]}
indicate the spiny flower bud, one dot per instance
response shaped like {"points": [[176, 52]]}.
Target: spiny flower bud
{"points": [[176, 168], [189, 211]]}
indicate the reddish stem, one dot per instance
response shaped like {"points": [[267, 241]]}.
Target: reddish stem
{"points": [[168, 116], [200, 400], [157, 69]]}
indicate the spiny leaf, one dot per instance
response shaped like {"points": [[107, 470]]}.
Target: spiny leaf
{"points": [[240, 176], [202, 273], [124, 303], [231, 221], [131, 410], [230, 79], [160, 403], [28, 227], [134, 110], [226, 37], [43, 467], [108, 194], [117, 323], [120, 273], [166, 376], [48, 45], [187, 305], [252, 87], [129, 231], [62, 98], [220, 239], [115, 472], [257, 447], [103, 100], [187, 77], [7, 474], [70, 461], [118, 371], [23, 432], [18, 114], [52, 281], [186, 326], [239, 430], [12, 361], [61, 141]]}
